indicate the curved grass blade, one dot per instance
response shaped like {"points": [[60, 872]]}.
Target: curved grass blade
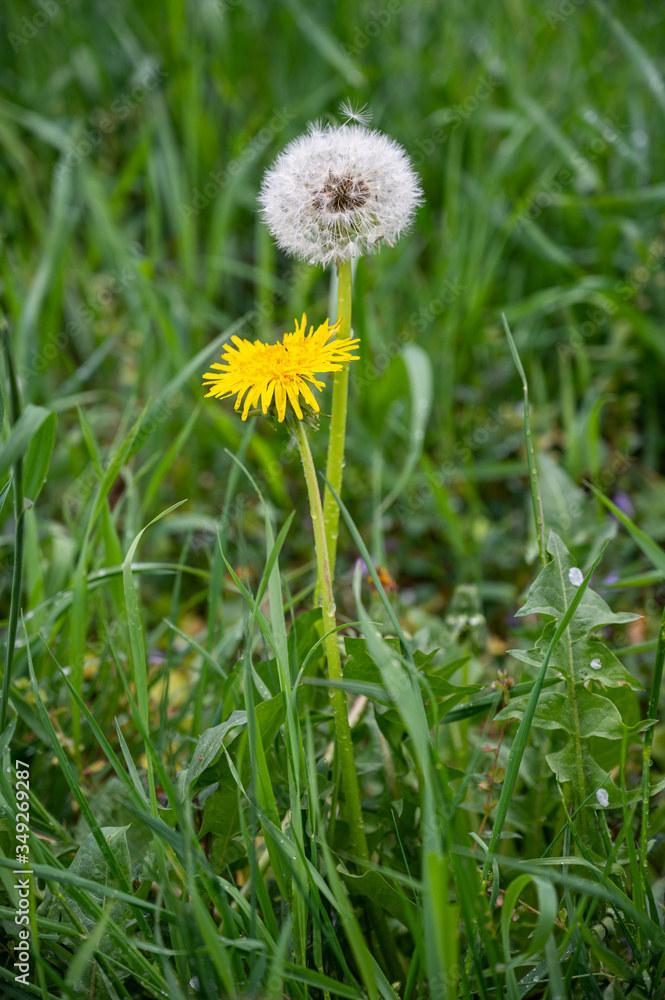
{"points": [[421, 389], [136, 639], [654, 553], [538, 516]]}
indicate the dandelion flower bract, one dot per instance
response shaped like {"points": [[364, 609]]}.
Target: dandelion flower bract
{"points": [[339, 192], [279, 373]]}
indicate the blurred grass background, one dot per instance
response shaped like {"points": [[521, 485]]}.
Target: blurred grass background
{"points": [[134, 142], [134, 138]]}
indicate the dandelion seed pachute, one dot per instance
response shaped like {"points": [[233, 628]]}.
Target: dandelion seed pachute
{"points": [[277, 374], [339, 192]]}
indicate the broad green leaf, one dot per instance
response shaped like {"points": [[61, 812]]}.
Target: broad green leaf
{"points": [[596, 716], [361, 667], [594, 661], [554, 589], [582, 663], [220, 814], [91, 865], [305, 632], [374, 886], [564, 604], [575, 764], [210, 745]]}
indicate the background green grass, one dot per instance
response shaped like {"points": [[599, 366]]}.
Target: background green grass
{"points": [[134, 138]]}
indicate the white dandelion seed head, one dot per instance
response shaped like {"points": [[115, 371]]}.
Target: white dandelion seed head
{"points": [[339, 192], [359, 114]]}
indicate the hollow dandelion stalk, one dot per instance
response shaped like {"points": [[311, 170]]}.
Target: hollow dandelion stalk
{"points": [[337, 438]]}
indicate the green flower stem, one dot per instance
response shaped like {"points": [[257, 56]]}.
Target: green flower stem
{"points": [[358, 841], [335, 463], [19, 536]]}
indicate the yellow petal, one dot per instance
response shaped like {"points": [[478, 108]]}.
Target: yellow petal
{"points": [[293, 396], [280, 401]]}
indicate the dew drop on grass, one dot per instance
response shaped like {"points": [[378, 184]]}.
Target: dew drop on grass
{"points": [[575, 576], [596, 664], [331, 608]]}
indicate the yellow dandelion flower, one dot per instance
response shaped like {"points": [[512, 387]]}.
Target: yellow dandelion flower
{"points": [[279, 372]]}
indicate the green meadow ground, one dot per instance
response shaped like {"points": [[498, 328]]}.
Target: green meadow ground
{"points": [[178, 849]]}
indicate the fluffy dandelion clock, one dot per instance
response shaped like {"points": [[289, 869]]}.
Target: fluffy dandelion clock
{"points": [[339, 192], [279, 373]]}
